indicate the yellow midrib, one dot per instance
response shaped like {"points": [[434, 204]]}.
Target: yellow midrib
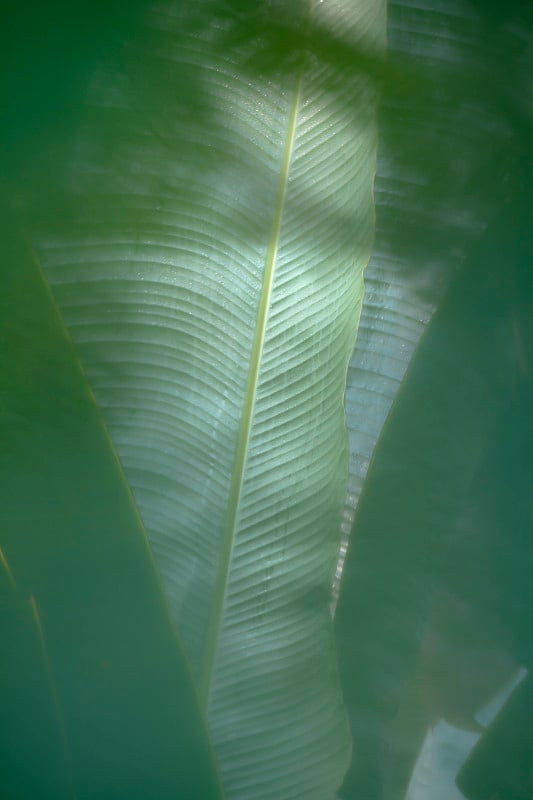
{"points": [[243, 440]]}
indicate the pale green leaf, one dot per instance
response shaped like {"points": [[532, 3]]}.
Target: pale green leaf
{"points": [[205, 236]]}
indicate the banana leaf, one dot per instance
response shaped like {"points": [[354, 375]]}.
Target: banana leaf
{"points": [[453, 199], [97, 696], [191, 227]]}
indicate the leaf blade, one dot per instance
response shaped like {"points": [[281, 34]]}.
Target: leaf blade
{"points": [[173, 206], [79, 561]]}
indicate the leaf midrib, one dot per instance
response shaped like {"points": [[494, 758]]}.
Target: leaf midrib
{"points": [[241, 452]]}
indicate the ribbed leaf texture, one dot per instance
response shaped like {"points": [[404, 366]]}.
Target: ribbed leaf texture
{"points": [[451, 189], [440, 180], [205, 241]]}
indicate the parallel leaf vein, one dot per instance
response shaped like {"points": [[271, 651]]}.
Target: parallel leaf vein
{"points": [[241, 452]]}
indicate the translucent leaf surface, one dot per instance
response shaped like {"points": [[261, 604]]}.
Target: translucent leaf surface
{"points": [[204, 233]]}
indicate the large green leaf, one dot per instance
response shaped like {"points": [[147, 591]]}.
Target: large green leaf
{"points": [[441, 179], [452, 204], [204, 232], [97, 699]]}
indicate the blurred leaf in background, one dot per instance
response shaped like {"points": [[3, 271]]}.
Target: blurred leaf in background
{"points": [[435, 606]]}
